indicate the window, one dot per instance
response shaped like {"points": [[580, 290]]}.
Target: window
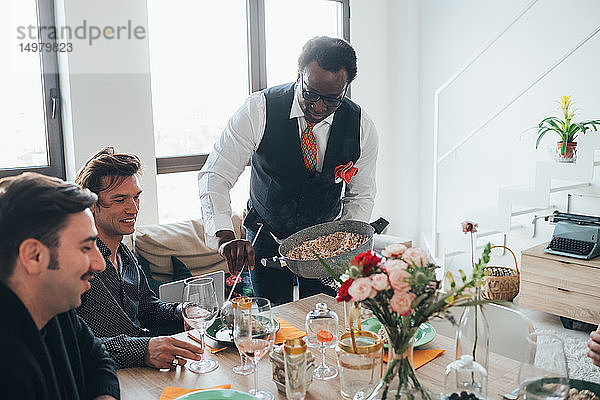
{"points": [[29, 108], [197, 84], [285, 36]]}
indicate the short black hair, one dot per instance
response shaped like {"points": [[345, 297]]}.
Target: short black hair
{"points": [[35, 206], [332, 54]]}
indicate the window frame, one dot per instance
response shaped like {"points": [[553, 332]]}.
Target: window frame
{"points": [[257, 74], [51, 95]]}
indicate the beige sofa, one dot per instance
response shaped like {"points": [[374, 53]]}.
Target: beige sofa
{"points": [[184, 240]]}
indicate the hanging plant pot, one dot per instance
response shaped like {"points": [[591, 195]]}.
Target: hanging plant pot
{"points": [[570, 153]]}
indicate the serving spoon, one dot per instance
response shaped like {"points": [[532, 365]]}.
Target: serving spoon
{"points": [[227, 307]]}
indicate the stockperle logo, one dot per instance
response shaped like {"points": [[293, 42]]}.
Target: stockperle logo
{"points": [[83, 31]]}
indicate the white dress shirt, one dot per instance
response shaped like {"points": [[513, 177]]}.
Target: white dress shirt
{"points": [[241, 138]]}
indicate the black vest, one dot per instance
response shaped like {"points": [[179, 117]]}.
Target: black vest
{"points": [[284, 195]]}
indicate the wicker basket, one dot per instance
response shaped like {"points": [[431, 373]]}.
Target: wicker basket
{"points": [[501, 283]]}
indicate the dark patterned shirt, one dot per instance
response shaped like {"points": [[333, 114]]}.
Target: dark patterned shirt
{"points": [[123, 312]]}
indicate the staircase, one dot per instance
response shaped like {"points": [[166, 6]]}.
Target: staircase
{"points": [[550, 177], [514, 203]]}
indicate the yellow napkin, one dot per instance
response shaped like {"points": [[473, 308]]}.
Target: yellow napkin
{"points": [[287, 331], [421, 357], [173, 392]]}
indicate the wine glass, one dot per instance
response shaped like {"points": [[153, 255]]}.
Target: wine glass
{"points": [[245, 367], [200, 309], [322, 333], [543, 373], [253, 334]]}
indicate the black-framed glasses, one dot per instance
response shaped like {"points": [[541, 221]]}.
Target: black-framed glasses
{"points": [[313, 97]]}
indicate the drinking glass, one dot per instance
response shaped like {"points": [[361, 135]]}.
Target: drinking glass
{"points": [[245, 367], [200, 309], [543, 373], [254, 334]]}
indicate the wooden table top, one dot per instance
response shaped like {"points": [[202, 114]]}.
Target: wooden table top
{"points": [[148, 383]]}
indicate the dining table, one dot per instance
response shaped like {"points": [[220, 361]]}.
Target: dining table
{"points": [[148, 383]]}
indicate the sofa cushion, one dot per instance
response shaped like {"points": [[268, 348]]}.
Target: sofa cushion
{"points": [[184, 240]]}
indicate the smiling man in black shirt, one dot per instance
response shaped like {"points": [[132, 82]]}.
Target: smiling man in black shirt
{"points": [[48, 256]]}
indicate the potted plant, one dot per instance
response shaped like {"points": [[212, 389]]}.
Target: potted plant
{"points": [[566, 129]]}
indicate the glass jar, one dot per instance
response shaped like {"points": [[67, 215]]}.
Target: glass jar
{"points": [[360, 361], [294, 357], [465, 379], [278, 364]]}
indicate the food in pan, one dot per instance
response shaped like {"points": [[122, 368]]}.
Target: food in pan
{"points": [[575, 394], [327, 246]]}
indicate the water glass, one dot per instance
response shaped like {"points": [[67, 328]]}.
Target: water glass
{"points": [[543, 373], [200, 309]]}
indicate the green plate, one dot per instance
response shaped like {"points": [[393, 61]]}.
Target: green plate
{"points": [[581, 385], [220, 334], [217, 394], [425, 334]]}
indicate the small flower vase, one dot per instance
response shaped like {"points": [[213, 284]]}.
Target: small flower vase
{"points": [[473, 333], [399, 380]]}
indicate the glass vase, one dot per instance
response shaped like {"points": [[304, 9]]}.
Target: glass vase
{"points": [[399, 381], [473, 333]]}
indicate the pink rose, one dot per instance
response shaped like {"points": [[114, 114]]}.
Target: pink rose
{"points": [[469, 226], [400, 303], [361, 289], [399, 280], [416, 257], [380, 282], [394, 250], [390, 265]]}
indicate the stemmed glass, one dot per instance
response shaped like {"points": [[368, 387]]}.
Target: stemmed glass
{"points": [[322, 333], [254, 334], [245, 368], [543, 373], [200, 309]]}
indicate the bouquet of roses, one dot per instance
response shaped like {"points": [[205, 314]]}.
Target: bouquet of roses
{"points": [[401, 289]]}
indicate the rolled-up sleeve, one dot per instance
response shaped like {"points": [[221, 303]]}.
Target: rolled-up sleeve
{"points": [[226, 162]]}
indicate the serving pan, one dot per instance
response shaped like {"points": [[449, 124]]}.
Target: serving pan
{"points": [[313, 269]]}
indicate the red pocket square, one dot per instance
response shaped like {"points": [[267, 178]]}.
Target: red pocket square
{"points": [[344, 172]]}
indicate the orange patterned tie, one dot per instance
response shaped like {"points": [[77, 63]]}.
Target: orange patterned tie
{"points": [[309, 147]]}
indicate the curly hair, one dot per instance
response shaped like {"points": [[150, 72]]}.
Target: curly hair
{"points": [[332, 54], [110, 165], [35, 206]]}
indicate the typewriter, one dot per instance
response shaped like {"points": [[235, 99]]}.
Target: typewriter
{"points": [[574, 235]]}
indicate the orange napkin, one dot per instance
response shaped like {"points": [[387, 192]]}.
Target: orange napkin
{"points": [[287, 331], [420, 357], [173, 392]]}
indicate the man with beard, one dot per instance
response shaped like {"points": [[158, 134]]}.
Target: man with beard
{"points": [[48, 256], [312, 153]]}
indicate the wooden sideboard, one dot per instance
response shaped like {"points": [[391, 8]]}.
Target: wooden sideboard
{"points": [[558, 285]]}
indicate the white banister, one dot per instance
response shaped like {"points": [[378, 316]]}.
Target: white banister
{"points": [[454, 77]]}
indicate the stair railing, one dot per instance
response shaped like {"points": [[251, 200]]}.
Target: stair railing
{"points": [[437, 160]]}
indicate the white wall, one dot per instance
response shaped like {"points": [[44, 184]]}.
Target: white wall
{"points": [[106, 87], [453, 32], [384, 34]]}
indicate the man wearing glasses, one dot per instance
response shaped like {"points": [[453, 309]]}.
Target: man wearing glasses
{"points": [[312, 153]]}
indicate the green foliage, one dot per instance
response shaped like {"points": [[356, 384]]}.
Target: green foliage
{"points": [[565, 127]]}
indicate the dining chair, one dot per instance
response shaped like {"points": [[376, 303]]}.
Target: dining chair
{"points": [[509, 329], [172, 292]]}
